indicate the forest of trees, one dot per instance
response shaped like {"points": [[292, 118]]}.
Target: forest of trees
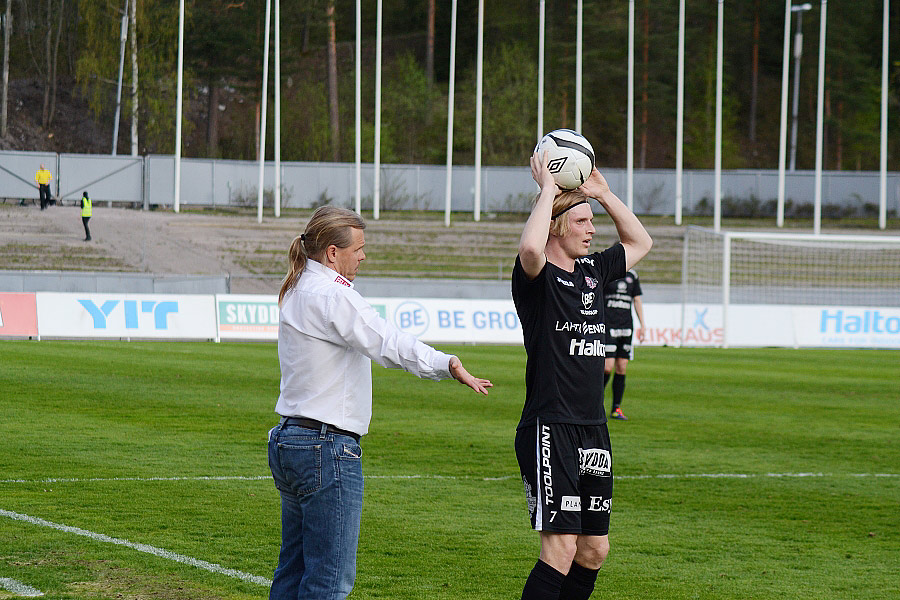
{"points": [[77, 43]]}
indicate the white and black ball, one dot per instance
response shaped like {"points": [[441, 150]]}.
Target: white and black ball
{"points": [[571, 157]]}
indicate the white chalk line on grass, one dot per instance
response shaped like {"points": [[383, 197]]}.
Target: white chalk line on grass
{"points": [[449, 477], [160, 552], [17, 588]]}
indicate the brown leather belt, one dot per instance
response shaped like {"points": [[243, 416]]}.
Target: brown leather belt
{"points": [[317, 425]]}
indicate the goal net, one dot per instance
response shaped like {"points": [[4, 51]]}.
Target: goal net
{"points": [[760, 268]]}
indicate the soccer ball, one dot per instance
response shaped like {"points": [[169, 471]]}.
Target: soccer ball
{"points": [[571, 157]]}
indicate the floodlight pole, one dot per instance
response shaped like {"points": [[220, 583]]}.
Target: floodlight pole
{"points": [[123, 36], [798, 54]]}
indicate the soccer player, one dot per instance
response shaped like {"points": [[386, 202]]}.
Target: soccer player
{"points": [[619, 296], [562, 441], [328, 336]]}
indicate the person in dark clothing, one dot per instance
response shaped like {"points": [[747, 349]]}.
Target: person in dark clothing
{"points": [[562, 440], [620, 295]]}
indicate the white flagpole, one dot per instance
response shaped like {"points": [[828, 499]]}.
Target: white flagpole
{"points": [[542, 27], [782, 138], [450, 99], [177, 204], [358, 109], [820, 121], [679, 130], [478, 106], [262, 117], [376, 204], [579, 51], [882, 183], [277, 198], [717, 212], [629, 153]]}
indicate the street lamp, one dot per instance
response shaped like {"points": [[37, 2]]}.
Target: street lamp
{"points": [[798, 53]]}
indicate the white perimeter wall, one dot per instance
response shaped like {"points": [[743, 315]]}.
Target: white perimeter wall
{"points": [[255, 317]]}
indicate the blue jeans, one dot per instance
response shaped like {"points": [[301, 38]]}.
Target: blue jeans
{"points": [[319, 476]]}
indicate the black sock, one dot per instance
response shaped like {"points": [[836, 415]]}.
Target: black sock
{"points": [[543, 583], [579, 583], [618, 388], [606, 378]]}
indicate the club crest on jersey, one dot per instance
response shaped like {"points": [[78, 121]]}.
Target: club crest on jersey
{"points": [[590, 281], [587, 299]]}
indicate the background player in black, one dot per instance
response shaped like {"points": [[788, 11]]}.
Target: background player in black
{"points": [[619, 296], [564, 381]]}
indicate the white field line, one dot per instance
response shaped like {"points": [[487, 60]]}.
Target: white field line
{"points": [[450, 477], [160, 552], [17, 588]]}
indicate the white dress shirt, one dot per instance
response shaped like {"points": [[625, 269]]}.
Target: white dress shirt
{"points": [[327, 334]]}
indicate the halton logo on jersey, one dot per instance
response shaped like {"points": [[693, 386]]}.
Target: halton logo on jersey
{"points": [[622, 287], [564, 282], [585, 348], [585, 259], [594, 461], [590, 281]]}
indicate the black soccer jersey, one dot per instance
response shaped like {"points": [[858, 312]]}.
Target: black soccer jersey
{"points": [[619, 296], [564, 331]]}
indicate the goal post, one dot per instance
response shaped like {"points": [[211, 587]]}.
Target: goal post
{"points": [[726, 269]]}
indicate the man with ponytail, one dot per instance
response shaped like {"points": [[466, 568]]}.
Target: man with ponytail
{"points": [[562, 441], [327, 337]]}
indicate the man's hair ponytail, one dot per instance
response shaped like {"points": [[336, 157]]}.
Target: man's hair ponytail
{"points": [[328, 226]]}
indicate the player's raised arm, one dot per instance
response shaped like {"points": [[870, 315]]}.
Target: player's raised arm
{"points": [[537, 228], [634, 237]]}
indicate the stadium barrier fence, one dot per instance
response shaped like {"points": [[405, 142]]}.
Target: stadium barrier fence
{"points": [[149, 181]]}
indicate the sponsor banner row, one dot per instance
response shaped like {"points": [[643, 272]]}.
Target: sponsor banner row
{"points": [[255, 317]]}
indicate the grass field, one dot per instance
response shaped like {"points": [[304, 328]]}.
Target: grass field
{"points": [[763, 473]]}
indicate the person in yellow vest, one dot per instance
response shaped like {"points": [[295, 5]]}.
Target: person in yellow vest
{"points": [[86, 215], [43, 177]]}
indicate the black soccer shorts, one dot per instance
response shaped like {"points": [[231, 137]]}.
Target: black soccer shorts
{"points": [[618, 344], [567, 471]]}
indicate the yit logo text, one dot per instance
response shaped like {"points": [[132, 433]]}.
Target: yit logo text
{"points": [[159, 310]]}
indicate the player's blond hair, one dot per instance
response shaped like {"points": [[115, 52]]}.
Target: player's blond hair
{"points": [[328, 226], [560, 225]]}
